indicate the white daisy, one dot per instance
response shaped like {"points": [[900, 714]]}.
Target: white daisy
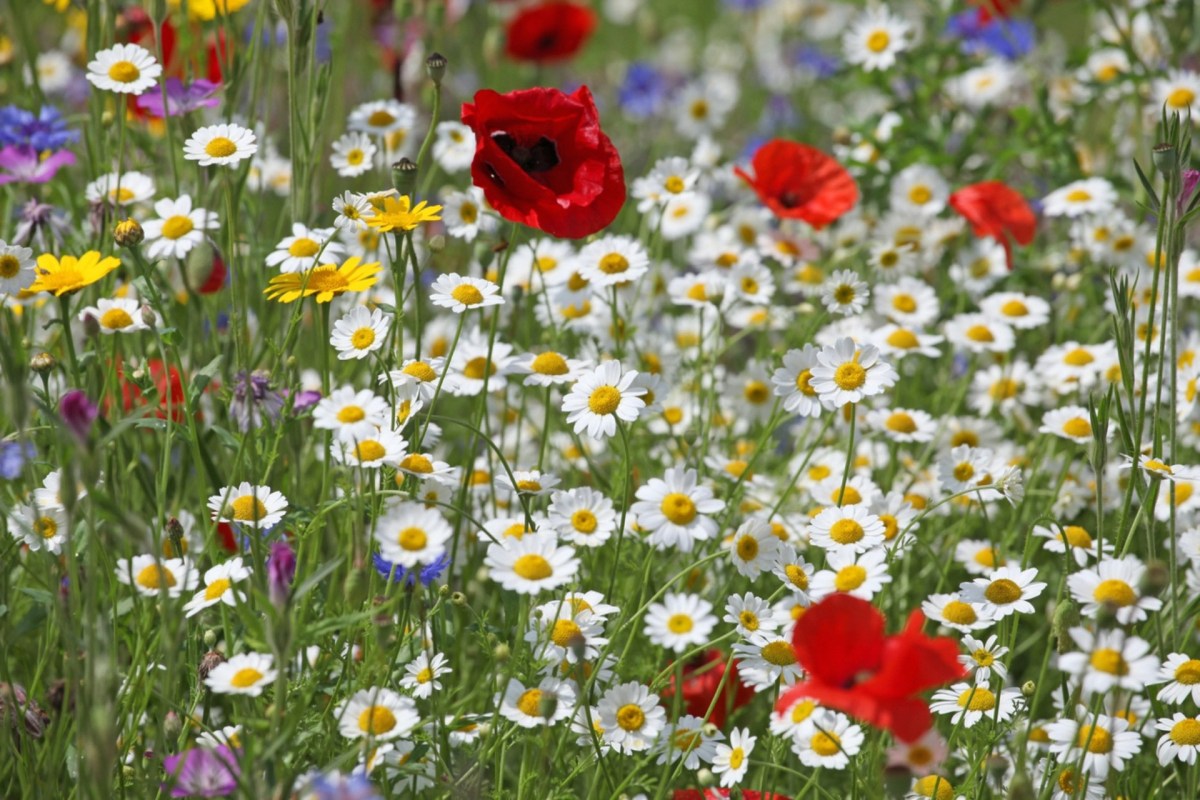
{"points": [[1180, 739], [630, 717], [411, 535], [16, 268], [829, 742], [178, 229], [1006, 591], [679, 622], [359, 333], [1087, 196], [218, 587], [353, 154], [1110, 659], [248, 505], [550, 702], [422, 673], [1104, 743], [1181, 673], [460, 293], [120, 189], [956, 612], [305, 248], [731, 761], [601, 397], [376, 713], [983, 658], [531, 564], [876, 38], [613, 261], [754, 547], [676, 511], [149, 575], [687, 740], [846, 373], [124, 68], [584, 516], [861, 576], [1113, 584], [245, 673], [381, 448], [967, 703], [224, 145]]}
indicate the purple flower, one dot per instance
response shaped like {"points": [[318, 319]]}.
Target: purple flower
{"points": [[1008, 38], [38, 219], [46, 130], [255, 400], [78, 412], [281, 571], [203, 772], [644, 90], [22, 164], [335, 786], [394, 573], [13, 456], [181, 98], [1190, 178], [305, 399]]}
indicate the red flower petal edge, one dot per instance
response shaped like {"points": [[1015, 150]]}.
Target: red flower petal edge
{"points": [[800, 182], [998, 211], [549, 32], [853, 667], [542, 160]]}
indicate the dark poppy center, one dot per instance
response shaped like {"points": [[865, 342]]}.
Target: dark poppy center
{"points": [[541, 156], [789, 199]]}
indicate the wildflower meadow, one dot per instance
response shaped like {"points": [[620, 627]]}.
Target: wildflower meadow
{"points": [[642, 399]]}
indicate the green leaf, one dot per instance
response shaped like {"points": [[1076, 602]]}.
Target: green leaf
{"points": [[204, 376]]}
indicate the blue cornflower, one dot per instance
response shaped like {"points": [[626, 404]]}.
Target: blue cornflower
{"points": [[1008, 38], [47, 130], [395, 573], [644, 90], [815, 61], [13, 456]]}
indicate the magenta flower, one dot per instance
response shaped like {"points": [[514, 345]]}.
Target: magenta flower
{"points": [[181, 98], [203, 772], [24, 165], [281, 571], [78, 413]]}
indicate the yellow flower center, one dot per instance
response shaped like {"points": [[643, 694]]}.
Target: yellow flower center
{"points": [[747, 548], [1181, 98], [988, 557], [757, 392], [779, 653], [1014, 308], [977, 699], [1078, 357], [613, 264], [1111, 661], [1077, 427], [630, 717], [220, 147], [467, 294], [124, 72], [980, 333], [674, 184], [248, 508], [584, 521], [425, 675], [369, 450], [477, 367], [903, 339], [415, 462], [844, 294], [1076, 536], [10, 265], [529, 486], [565, 631], [354, 157], [849, 376], [1114, 592], [878, 41], [901, 422], [680, 623], [1188, 672], [1004, 389], [421, 371], [847, 497], [983, 658], [1002, 592], [45, 527], [804, 382], [1186, 732], [959, 613], [825, 744], [797, 576], [376, 720], [244, 677], [177, 226], [920, 195], [116, 319], [736, 757], [380, 119], [533, 567], [1078, 196], [155, 577], [933, 786], [1095, 739], [846, 531], [604, 400], [412, 539], [849, 578], [217, 588], [678, 508], [304, 248], [550, 363]]}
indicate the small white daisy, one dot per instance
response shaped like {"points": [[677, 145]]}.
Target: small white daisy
{"points": [[376, 713], [248, 505], [460, 293], [224, 145], [124, 68], [353, 154], [245, 673], [359, 333]]}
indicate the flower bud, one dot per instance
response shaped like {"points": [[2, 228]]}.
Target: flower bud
{"points": [[91, 326], [78, 413], [149, 318], [281, 570], [174, 545], [208, 662], [1165, 158], [172, 725], [404, 176], [43, 364], [128, 233], [1028, 690], [210, 637], [435, 67], [458, 599], [706, 778], [501, 653]]}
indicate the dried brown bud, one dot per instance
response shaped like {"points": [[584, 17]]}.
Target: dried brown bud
{"points": [[210, 661], [17, 706], [43, 363]]}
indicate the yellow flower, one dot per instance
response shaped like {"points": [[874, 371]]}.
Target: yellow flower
{"points": [[326, 281], [210, 9], [59, 5], [71, 274], [399, 214]]}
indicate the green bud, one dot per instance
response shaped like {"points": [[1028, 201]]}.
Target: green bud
{"points": [[1165, 158], [435, 67], [404, 176]]}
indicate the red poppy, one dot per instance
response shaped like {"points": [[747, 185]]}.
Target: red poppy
{"points": [[541, 159], [168, 385], [701, 677], [216, 277], [853, 667], [549, 31], [800, 182], [994, 209], [995, 8]]}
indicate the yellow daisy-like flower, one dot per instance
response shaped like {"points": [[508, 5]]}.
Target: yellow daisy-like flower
{"points": [[211, 9], [398, 213], [326, 281], [71, 274]]}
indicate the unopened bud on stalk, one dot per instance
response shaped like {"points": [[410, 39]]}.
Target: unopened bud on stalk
{"points": [[208, 662], [437, 243], [404, 176], [128, 233], [435, 67], [1165, 159], [706, 778], [43, 363], [1028, 690], [501, 653], [547, 705], [149, 317], [210, 637], [1020, 788], [172, 725], [1157, 577], [458, 599], [91, 326]]}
